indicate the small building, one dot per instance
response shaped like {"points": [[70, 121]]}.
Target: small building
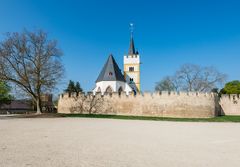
{"points": [[111, 79], [27, 105], [17, 106]]}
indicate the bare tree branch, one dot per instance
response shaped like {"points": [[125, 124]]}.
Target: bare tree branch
{"points": [[194, 78], [32, 62]]}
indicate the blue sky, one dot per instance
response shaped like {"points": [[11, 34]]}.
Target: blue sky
{"points": [[167, 34]]}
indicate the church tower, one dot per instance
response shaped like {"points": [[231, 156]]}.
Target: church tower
{"points": [[132, 66]]}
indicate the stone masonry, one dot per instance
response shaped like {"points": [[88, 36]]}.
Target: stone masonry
{"points": [[230, 105], [165, 104]]}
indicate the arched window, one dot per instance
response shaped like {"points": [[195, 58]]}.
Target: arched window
{"points": [[120, 90], [109, 90], [99, 89]]}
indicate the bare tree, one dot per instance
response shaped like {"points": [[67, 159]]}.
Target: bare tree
{"points": [[95, 103], [79, 104], [195, 78], [32, 62], [188, 75], [87, 103], [166, 84]]}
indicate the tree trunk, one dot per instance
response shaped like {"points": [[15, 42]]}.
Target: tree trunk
{"points": [[38, 106]]}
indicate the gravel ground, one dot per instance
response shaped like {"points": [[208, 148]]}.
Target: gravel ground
{"points": [[82, 142]]}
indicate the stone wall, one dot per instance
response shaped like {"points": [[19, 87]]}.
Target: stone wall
{"points": [[182, 105], [230, 105]]}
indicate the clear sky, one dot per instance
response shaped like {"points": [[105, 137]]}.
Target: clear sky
{"points": [[167, 34]]}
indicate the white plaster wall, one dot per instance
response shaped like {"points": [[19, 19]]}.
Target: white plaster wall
{"points": [[115, 85], [131, 59]]}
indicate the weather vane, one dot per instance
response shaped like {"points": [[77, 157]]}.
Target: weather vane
{"points": [[131, 28]]}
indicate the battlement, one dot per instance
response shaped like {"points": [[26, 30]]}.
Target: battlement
{"points": [[164, 104], [144, 94], [131, 59], [230, 104], [232, 97], [132, 56]]}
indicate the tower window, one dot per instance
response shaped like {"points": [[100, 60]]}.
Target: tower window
{"points": [[110, 73], [131, 79], [131, 68]]}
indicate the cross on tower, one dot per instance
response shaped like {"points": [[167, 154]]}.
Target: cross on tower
{"points": [[131, 29]]}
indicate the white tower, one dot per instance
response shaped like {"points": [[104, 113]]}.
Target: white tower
{"points": [[132, 66]]}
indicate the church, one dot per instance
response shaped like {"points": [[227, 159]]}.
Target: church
{"points": [[112, 80]]}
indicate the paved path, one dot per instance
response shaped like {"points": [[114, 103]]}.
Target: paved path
{"points": [[81, 142]]}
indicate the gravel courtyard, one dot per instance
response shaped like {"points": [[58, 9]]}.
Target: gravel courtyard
{"points": [[83, 142]]}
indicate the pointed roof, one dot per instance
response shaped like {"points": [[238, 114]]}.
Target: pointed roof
{"points": [[110, 71], [131, 47]]}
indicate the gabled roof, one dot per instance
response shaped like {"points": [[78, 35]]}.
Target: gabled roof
{"points": [[110, 71], [131, 50]]}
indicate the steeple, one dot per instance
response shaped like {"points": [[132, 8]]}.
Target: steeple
{"points": [[131, 50], [131, 47]]}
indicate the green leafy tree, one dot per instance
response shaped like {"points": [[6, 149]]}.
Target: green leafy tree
{"points": [[71, 87], [78, 88], [5, 97], [232, 87]]}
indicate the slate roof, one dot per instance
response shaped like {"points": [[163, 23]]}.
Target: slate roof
{"points": [[111, 71], [131, 50]]}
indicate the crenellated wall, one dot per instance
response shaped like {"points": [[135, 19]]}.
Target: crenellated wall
{"points": [[182, 105], [230, 105]]}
